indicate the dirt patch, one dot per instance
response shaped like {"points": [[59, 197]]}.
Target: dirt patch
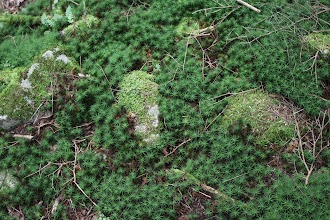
{"points": [[285, 109], [13, 6], [194, 203]]}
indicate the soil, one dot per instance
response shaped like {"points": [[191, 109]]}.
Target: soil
{"points": [[13, 6]]}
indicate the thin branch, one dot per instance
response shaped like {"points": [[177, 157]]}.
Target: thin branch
{"points": [[233, 93], [215, 118], [25, 136], [174, 149], [316, 145], [249, 6], [38, 171], [76, 151], [113, 95]]}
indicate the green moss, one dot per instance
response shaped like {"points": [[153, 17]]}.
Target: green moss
{"points": [[251, 111], [139, 92], [319, 42], [19, 51], [139, 96], [19, 19]]}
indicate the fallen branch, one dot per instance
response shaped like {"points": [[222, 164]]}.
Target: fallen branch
{"points": [[174, 149], [76, 167], [26, 136], [205, 187], [316, 145], [215, 119], [249, 6]]}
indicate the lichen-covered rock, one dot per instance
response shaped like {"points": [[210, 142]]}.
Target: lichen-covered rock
{"points": [[139, 96], [252, 113], [319, 42], [23, 89], [7, 181]]}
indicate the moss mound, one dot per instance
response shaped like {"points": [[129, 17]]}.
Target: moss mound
{"points": [[250, 113], [139, 96]]}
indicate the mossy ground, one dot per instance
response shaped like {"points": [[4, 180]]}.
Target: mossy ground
{"points": [[84, 159]]}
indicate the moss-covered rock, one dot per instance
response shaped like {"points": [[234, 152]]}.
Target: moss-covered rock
{"points": [[23, 90], [139, 96], [319, 42], [250, 114]]}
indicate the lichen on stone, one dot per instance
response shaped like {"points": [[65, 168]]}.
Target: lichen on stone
{"points": [[138, 94], [48, 54], [252, 110]]}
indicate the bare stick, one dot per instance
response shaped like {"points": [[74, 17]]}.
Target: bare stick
{"points": [[235, 177], [215, 119], [233, 93], [315, 65], [76, 151], [29, 137], [317, 143], [205, 187], [106, 78], [38, 171], [85, 194], [249, 6], [183, 143]]}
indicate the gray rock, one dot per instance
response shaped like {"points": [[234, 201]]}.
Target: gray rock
{"points": [[7, 123]]}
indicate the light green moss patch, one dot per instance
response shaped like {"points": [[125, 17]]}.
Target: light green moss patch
{"points": [[139, 96], [319, 42], [187, 26], [252, 109], [81, 25]]}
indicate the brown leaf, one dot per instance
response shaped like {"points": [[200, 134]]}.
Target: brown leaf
{"points": [[165, 152], [144, 181]]}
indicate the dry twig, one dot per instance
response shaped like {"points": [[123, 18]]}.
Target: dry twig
{"points": [[174, 149], [316, 144], [25, 136], [249, 6]]}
